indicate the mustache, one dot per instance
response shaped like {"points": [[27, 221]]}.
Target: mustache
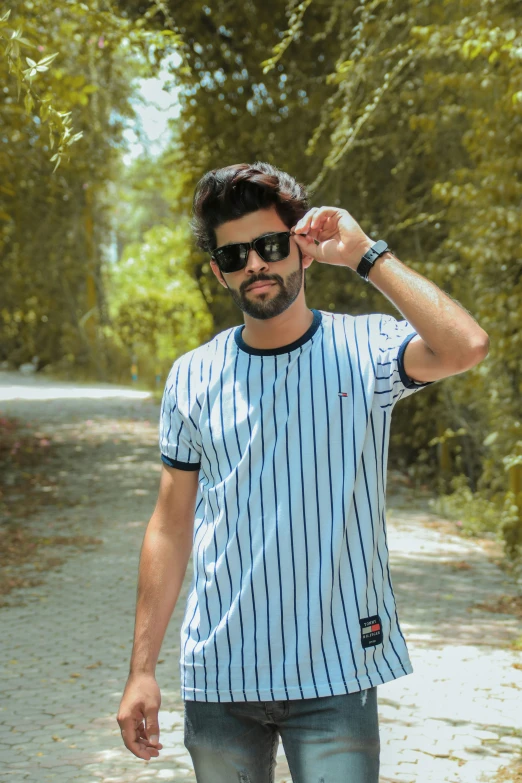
{"points": [[263, 279]]}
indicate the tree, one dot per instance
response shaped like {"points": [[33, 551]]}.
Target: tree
{"points": [[54, 221]]}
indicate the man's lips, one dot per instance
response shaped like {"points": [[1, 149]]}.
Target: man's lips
{"points": [[261, 285]]}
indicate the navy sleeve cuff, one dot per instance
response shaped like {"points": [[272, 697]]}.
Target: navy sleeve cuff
{"points": [[406, 380], [174, 463]]}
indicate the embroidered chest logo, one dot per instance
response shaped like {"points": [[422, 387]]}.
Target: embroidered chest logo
{"points": [[343, 394]]}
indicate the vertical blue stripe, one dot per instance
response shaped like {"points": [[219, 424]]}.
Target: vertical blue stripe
{"points": [[251, 566], [383, 477], [291, 525], [354, 446], [380, 492], [305, 535], [228, 529], [173, 408], [343, 471], [376, 609], [216, 463], [237, 531], [277, 524], [267, 596], [194, 588], [332, 515]]}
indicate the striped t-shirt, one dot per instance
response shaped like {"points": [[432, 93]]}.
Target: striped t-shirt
{"points": [[291, 596]]}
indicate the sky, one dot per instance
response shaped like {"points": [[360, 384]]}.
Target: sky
{"points": [[154, 107]]}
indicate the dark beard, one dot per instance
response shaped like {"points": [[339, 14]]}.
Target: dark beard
{"points": [[263, 308]]}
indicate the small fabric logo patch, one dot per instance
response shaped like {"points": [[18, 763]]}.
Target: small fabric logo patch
{"points": [[371, 631], [343, 394]]}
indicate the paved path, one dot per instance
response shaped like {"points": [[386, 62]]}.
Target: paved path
{"points": [[65, 644]]}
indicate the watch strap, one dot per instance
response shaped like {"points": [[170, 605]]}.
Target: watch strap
{"points": [[370, 257]]}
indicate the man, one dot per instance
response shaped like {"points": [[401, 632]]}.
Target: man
{"points": [[274, 438]]}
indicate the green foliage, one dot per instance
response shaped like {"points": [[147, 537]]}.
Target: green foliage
{"points": [[157, 308], [108, 31], [59, 123], [55, 224], [476, 513]]}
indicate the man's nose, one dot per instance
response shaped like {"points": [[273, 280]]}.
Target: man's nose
{"points": [[254, 262]]}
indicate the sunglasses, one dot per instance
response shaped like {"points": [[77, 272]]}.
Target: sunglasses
{"points": [[271, 247]]}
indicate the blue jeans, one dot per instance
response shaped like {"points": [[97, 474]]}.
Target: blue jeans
{"points": [[329, 739]]}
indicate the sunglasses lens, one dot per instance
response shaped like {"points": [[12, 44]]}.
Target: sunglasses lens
{"points": [[274, 247], [231, 258]]}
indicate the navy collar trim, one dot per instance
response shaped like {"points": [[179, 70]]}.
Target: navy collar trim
{"points": [[283, 348]]}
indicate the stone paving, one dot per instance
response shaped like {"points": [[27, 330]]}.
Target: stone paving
{"points": [[65, 644]]}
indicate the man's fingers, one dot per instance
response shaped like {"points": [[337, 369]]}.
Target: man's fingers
{"points": [[151, 720], [135, 746], [315, 215], [304, 222], [144, 738], [135, 739]]}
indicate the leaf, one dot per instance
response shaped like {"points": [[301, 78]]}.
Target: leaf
{"points": [[48, 59], [75, 137], [345, 66]]}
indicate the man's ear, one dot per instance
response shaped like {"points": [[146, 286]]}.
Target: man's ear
{"points": [[217, 271]]}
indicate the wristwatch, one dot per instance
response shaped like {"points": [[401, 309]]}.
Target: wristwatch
{"points": [[370, 257]]}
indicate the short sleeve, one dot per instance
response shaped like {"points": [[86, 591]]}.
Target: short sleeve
{"points": [[178, 434], [389, 338]]}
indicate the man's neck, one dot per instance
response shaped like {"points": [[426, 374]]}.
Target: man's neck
{"points": [[283, 329]]}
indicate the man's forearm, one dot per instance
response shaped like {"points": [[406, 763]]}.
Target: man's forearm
{"points": [[447, 328], [163, 563]]}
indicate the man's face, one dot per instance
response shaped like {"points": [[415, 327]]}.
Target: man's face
{"points": [[284, 278]]}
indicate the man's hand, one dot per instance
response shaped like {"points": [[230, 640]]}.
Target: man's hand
{"points": [[341, 239], [138, 716]]}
